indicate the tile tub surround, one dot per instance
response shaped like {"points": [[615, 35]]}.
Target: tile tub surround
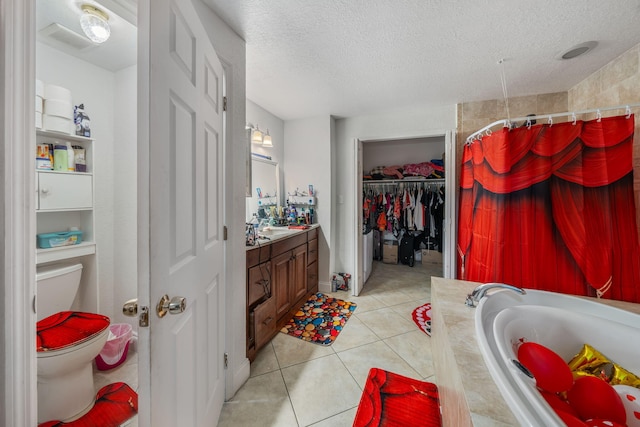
{"points": [[468, 395]]}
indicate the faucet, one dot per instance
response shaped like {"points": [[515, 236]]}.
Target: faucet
{"points": [[481, 291]]}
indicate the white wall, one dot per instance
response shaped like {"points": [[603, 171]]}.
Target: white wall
{"points": [[408, 123], [401, 152], [95, 87], [231, 50], [307, 161], [125, 196]]}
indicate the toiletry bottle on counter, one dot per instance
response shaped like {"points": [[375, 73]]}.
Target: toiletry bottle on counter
{"points": [[71, 160], [60, 157]]}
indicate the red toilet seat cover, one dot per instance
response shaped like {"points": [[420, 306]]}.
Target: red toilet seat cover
{"points": [[68, 328]]}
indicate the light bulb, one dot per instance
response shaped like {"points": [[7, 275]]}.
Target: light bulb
{"points": [[94, 24]]}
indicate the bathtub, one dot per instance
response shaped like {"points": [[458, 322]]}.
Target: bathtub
{"points": [[560, 322]]}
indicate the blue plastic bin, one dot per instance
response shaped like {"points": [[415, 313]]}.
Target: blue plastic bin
{"points": [[63, 238]]}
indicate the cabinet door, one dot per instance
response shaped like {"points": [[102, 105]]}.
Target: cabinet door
{"points": [[280, 282], [64, 191], [298, 284], [312, 277]]}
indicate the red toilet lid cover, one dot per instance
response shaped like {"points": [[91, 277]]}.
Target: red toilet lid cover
{"points": [[68, 328]]}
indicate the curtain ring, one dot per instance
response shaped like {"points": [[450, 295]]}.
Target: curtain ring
{"points": [[488, 132], [598, 116], [628, 111], [573, 118], [529, 124], [550, 121]]}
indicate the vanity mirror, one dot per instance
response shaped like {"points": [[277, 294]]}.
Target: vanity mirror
{"points": [[265, 179]]}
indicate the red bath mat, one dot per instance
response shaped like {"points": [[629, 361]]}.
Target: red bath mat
{"points": [[422, 317], [393, 400], [320, 319], [115, 404]]}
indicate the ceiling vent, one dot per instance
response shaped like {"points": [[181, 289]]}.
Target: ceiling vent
{"points": [[577, 50], [60, 34]]}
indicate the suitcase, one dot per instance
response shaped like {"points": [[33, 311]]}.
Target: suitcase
{"points": [[377, 245], [406, 250]]}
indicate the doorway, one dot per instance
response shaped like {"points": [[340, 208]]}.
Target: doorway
{"points": [[391, 151]]}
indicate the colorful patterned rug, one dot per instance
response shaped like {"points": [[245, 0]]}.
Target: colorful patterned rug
{"points": [[422, 317], [115, 404], [320, 319], [393, 400]]}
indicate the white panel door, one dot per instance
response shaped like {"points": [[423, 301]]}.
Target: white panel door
{"points": [[186, 252]]}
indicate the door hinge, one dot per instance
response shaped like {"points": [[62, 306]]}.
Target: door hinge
{"points": [[224, 103], [226, 360], [224, 232]]}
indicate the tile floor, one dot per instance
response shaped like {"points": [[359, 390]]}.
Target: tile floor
{"points": [[296, 383]]}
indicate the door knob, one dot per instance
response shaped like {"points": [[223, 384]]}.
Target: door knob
{"points": [[130, 308], [175, 305]]}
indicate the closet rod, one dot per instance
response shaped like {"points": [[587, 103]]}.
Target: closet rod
{"points": [[403, 181], [571, 114]]}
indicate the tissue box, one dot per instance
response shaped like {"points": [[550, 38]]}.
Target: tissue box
{"points": [[63, 238]]}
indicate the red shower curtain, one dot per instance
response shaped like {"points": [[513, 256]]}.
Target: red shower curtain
{"points": [[551, 207]]}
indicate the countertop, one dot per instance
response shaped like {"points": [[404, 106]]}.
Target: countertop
{"points": [[468, 395], [278, 233]]}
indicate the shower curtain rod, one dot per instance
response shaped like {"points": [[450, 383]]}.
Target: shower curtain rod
{"points": [[571, 114]]}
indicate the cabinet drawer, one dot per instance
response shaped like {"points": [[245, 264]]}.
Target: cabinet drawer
{"points": [[258, 282], [313, 251], [312, 234], [64, 191], [265, 318], [257, 255]]}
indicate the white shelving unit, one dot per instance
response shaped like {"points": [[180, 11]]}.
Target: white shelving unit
{"points": [[64, 200]]}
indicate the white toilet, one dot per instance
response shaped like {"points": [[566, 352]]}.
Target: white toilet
{"points": [[67, 343]]}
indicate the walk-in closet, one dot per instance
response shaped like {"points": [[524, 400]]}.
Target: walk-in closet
{"points": [[403, 203]]}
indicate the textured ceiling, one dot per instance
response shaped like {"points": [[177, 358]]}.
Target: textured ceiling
{"points": [[352, 57]]}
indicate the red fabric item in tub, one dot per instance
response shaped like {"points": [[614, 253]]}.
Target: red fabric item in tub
{"points": [[393, 400], [68, 328]]}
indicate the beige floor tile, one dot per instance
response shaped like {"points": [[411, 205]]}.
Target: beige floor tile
{"points": [[291, 350], [385, 322], [313, 396], [405, 310], [415, 348], [261, 401], [265, 361], [342, 419], [376, 355], [366, 302], [126, 373], [390, 298], [354, 334]]}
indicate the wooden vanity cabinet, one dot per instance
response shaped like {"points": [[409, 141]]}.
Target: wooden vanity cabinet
{"points": [[280, 278], [312, 262]]}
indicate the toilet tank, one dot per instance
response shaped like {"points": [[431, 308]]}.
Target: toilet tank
{"points": [[56, 287]]}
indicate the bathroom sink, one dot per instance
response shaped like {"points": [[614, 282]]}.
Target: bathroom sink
{"points": [[560, 322], [276, 231]]}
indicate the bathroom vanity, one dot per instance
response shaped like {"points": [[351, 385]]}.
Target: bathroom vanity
{"points": [[282, 273], [468, 394]]}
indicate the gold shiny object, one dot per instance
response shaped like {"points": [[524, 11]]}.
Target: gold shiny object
{"points": [[590, 362]]}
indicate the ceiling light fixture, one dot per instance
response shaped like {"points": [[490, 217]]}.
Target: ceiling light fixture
{"points": [[266, 140], [577, 50], [94, 23]]}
